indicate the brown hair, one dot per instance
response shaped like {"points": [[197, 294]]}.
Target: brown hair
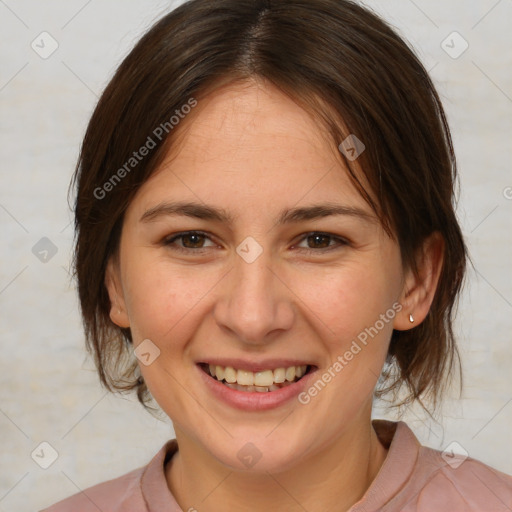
{"points": [[351, 71]]}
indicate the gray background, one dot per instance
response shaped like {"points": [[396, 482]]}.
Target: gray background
{"points": [[48, 387]]}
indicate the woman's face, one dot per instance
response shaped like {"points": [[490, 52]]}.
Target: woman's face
{"points": [[277, 285]]}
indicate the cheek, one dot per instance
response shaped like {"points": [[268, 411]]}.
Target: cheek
{"points": [[355, 305], [161, 298], [356, 310], [347, 299]]}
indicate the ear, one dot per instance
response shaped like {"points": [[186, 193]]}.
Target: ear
{"points": [[419, 290], [118, 313]]}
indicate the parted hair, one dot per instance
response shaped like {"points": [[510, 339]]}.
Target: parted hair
{"points": [[347, 67]]}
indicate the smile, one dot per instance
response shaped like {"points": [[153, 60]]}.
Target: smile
{"points": [[261, 381]]}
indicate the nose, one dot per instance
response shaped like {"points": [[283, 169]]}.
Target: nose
{"points": [[256, 304]]}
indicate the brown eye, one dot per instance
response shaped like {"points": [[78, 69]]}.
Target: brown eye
{"points": [[316, 242], [191, 241], [319, 241]]}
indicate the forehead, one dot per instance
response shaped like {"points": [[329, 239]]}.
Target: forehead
{"points": [[250, 145], [250, 118]]}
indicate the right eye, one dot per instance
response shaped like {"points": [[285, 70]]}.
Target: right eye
{"points": [[193, 239]]}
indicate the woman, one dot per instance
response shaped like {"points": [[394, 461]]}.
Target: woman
{"points": [[266, 240]]}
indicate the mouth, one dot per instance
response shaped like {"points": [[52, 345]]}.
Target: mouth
{"points": [[264, 381]]}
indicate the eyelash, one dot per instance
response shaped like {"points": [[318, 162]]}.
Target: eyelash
{"points": [[169, 242]]}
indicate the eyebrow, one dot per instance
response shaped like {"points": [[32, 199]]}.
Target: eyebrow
{"points": [[287, 216]]}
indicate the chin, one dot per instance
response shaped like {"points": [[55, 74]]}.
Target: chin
{"points": [[258, 454]]}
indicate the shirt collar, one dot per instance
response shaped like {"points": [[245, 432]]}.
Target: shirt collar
{"points": [[403, 449], [397, 437]]}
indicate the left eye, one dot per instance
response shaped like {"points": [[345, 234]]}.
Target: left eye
{"points": [[193, 241], [323, 240]]}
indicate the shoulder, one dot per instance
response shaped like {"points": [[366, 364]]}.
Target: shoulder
{"points": [[124, 493], [447, 481], [416, 478], [121, 494]]}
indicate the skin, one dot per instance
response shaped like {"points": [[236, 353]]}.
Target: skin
{"points": [[251, 150]]}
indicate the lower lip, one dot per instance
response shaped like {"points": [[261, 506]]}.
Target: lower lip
{"points": [[254, 400]]}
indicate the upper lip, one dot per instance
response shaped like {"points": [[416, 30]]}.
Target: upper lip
{"points": [[255, 366]]}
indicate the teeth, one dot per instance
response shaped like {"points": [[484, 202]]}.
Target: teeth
{"points": [[263, 381], [279, 375], [229, 375], [290, 373], [219, 372], [245, 378], [265, 378]]}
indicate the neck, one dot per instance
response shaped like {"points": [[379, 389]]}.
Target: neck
{"points": [[332, 479]]}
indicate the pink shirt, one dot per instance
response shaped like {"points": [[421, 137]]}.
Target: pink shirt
{"points": [[412, 478]]}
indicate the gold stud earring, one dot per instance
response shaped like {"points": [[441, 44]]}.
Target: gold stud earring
{"points": [[411, 319]]}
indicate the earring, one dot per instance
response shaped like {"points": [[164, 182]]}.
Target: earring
{"points": [[411, 319]]}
